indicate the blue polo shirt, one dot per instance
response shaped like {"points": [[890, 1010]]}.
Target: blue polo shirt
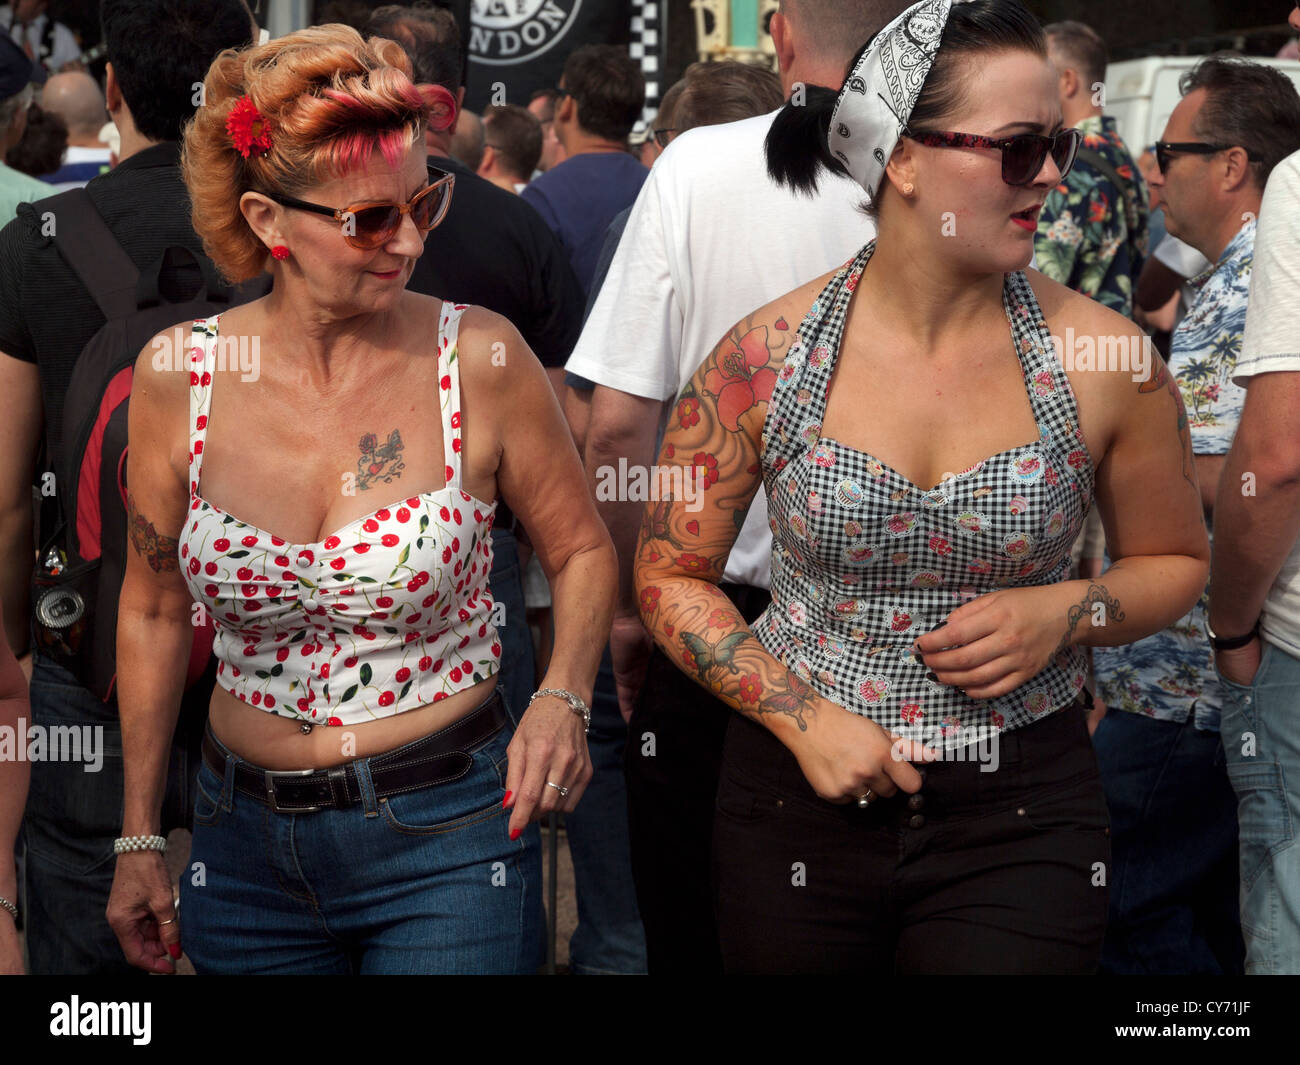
{"points": [[579, 198]]}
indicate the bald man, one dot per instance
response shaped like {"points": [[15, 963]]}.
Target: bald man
{"points": [[75, 97]]}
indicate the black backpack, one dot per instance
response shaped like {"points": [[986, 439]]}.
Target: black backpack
{"points": [[82, 533]]}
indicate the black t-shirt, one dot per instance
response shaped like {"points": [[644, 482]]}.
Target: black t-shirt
{"points": [[46, 315], [495, 251]]}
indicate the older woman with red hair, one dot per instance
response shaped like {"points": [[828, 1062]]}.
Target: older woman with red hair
{"points": [[326, 498]]}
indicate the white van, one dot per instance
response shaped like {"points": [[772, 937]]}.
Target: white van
{"points": [[1141, 93]]}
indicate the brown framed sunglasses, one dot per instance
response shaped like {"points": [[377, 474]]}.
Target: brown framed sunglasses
{"points": [[370, 225]]}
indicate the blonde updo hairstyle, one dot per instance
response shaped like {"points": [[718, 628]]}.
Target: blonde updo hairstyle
{"points": [[331, 99]]}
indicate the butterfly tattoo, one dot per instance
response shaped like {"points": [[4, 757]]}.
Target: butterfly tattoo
{"points": [[793, 702], [656, 522], [157, 550], [705, 656]]}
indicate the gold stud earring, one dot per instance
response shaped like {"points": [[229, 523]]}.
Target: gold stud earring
{"points": [[908, 188]]}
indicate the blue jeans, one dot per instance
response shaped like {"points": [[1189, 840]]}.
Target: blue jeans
{"points": [[1261, 739], [609, 937], [426, 881], [1173, 820], [71, 820]]}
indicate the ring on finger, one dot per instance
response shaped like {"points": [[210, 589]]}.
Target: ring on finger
{"points": [[867, 798], [564, 792]]}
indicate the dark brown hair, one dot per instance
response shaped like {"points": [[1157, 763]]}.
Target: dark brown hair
{"points": [[797, 148], [430, 37], [514, 133], [1247, 104], [715, 93], [608, 87]]}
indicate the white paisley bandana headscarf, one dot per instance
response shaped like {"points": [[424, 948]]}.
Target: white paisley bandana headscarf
{"points": [[878, 97]]}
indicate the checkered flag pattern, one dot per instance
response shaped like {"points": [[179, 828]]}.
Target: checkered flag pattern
{"points": [[647, 47]]}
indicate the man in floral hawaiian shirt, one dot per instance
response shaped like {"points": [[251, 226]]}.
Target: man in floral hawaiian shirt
{"points": [[1173, 810], [1092, 231]]}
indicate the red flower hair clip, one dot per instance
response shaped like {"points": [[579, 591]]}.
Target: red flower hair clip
{"points": [[249, 129]]}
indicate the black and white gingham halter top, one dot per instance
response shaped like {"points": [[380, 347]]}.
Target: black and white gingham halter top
{"points": [[864, 561]]}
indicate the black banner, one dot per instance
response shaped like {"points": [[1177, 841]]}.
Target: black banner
{"points": [[519, 46]]}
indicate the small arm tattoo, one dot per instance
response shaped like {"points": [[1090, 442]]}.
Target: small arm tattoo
{"points": [[1096, 594], [158, 550], [1163, 379], [796, 701]]}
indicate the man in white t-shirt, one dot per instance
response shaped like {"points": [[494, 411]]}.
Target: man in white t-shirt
{"points": [[1255, 586], [710, 239]]}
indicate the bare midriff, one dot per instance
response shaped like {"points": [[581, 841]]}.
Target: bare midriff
{"points": [[274, 742]]}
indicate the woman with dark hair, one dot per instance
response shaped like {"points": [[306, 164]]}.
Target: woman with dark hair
{"points": [[44, 140], [365, 802], [909, 785]]}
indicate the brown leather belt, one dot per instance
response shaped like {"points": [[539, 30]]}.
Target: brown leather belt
{"points": [[435, 759]]}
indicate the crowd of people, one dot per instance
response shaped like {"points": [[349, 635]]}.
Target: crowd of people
{"points": [[899, 643]]}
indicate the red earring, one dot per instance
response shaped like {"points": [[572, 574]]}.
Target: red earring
{"points": [[280, 252]]}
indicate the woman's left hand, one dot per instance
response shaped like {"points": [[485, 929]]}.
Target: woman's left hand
{"points": [[996, 642], [549, 747]]}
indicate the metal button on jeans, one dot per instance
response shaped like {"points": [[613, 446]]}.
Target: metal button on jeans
{"points": [[916, 802], [916, 821]]}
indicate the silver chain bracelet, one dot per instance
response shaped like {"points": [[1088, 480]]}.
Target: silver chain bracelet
{"points": [[5, 904], [575, 703]]}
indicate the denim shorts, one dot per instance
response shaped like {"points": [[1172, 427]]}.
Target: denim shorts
{"points": [[426, 881]]}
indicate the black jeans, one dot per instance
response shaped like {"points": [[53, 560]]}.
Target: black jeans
{"points": [[674, 750], [989, 872]]}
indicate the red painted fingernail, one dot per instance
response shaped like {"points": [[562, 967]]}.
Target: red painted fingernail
{"points": [[515, 833], [174, 949], [507, 798]]}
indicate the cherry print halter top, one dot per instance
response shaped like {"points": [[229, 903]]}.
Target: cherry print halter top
{"points": [[864, 561], [388, 613]]}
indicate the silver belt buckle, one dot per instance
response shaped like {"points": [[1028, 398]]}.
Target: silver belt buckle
{"points": [[270, 775]]}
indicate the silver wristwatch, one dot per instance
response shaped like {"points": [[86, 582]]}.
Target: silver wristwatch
{"points": [[575, 703]]}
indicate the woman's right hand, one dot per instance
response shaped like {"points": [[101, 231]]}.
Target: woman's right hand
{"points": [[141, 900], [842, 754]]}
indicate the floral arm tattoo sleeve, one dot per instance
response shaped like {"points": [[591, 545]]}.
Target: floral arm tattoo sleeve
{"points": [[710, 467]]}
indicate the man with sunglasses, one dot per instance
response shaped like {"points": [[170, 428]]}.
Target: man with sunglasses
{"points": [[1174, 885], [1092, 231]]}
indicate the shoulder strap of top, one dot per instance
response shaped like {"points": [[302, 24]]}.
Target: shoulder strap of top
{"points": [[794, 420], [1055, 408], [832, 312], [449, 387], [201, 364]]}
